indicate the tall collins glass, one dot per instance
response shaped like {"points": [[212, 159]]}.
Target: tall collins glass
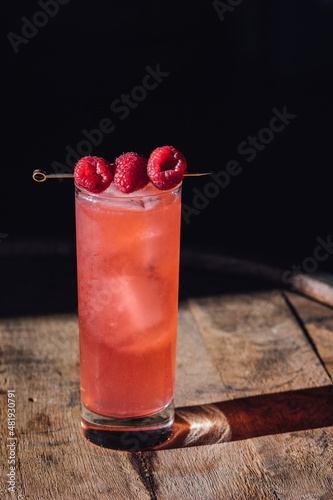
{"points": [[128, 270]]}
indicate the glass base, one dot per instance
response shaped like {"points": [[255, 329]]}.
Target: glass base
{"points": [[130, 434]]}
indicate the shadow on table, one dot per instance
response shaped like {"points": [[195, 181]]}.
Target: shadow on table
{"points": [[34, 285], [39, 274], [251, 417]]}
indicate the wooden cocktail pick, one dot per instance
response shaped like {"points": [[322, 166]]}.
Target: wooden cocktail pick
{"points": [[41, 176]]}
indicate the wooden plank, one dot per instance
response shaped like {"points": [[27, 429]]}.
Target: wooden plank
{"points": [[257, 344], [258, 347], [318, 321], [41, 362], [286, 467], [243, 346], [198, 381]]}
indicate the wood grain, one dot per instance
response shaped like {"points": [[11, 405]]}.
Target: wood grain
{"points": [[231, 347], [198, 380], [293, 466], [41, 362], [256, 344]]}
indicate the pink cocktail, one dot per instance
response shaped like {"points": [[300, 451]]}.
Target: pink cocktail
{"points": [[128, 268]]}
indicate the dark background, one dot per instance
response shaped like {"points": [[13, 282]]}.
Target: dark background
{"points": [[225, 77]]}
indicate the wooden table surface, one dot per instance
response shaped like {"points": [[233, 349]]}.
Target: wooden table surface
{"points": [[254, 409]]}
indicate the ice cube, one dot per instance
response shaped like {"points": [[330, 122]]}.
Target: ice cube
{"points": [[140, 301]]}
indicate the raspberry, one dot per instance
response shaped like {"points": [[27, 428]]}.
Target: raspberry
{"points": [[130, 172], [166, 167], [93, 174]]}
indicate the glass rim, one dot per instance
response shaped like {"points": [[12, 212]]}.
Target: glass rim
{"points": [[124, 196]]}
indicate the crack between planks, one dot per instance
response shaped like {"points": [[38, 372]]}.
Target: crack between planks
{"points": [[142, 462], [306, 333]]}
